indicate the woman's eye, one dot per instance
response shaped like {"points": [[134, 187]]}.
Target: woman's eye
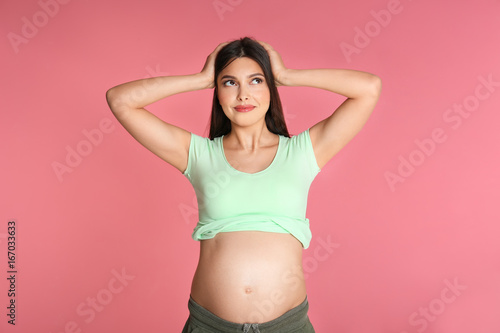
{"points": [[257, 80], [229, 83]]}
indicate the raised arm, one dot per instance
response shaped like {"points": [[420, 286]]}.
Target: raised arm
{"points": [[362, 90], [127, 102]]}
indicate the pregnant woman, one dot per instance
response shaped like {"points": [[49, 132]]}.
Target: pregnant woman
{"points": [[251, 178]]}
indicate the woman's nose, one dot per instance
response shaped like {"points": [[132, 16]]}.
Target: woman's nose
{"points": [[243, 94]]}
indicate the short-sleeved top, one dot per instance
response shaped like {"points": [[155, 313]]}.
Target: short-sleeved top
{"points": [[271, 200]]}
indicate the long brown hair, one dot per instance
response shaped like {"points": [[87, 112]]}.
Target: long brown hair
{"points": [[246, 47]]}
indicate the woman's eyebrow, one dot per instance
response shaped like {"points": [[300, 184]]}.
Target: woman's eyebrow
{"points": [[234, 78]]}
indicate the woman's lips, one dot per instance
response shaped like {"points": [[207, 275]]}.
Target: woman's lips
{"points": [[244, 108]]}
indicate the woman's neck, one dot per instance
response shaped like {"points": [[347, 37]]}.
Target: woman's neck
{"points": [[249, 138]]}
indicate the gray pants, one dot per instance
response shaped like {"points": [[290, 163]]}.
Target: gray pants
{"points": [[203, 321]]}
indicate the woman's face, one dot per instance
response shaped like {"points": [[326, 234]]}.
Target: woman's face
{"points": [[243, 92]]}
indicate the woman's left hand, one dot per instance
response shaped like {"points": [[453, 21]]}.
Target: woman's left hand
{"points": [[277, 64]]}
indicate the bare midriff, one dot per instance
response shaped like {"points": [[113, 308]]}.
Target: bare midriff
{"points": [[249, 276]]}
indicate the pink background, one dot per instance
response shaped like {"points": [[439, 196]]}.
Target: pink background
{"points": [[410, 205]]}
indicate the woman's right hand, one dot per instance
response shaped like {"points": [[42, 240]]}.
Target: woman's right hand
{"points": [[208, 70]]}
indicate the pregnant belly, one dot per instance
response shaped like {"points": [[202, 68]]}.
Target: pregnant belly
{"points": [[249, 276]]}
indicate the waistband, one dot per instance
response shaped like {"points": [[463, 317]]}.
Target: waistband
{"points": [[290, 320]]}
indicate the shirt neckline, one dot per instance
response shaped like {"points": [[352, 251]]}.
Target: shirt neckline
{"points": [[221, 144]]}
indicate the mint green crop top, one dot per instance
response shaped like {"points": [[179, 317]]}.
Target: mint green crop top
{"points": [[271, 200]]}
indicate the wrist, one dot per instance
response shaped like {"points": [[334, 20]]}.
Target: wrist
{"points": [[204, 80], [285, 78]]}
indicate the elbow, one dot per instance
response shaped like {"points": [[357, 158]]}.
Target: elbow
{"points": [[375, 86], [370, 87], [111, 97], [114, 101]]}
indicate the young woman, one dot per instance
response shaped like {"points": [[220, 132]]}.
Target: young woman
{"points": [[251, 178]]}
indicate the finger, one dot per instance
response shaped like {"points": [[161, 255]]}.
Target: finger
{"points": [[220, 46], [214, 53], [265, 45]]}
